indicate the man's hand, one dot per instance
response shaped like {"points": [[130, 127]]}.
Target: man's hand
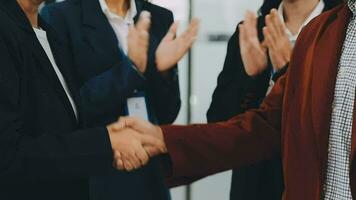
{"points": [[172, 49], [276, 39], [128, 147], [138, 41], [153, 147], [254, 55]]}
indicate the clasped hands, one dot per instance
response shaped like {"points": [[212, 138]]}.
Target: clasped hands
{"points": [[170, 50], [134, 142]]}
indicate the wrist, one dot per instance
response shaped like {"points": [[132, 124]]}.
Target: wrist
{"points": [[161, 138], [139, 65]]}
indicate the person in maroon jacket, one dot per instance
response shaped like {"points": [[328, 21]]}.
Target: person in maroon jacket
{"points": [[307, 120], [249, 73]]}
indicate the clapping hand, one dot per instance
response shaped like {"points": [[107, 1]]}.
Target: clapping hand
{"points": [[254, 55], [172, 48], [138, 41], [277, 41]]}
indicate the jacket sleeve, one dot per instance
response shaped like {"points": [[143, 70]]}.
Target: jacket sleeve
{"points": [[236, 91], [201, 150], [105, 92], [28, 156], [164, 90]]}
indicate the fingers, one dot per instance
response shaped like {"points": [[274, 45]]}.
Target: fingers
{"points": [[134, 159], [269, 40], [118, 163], [148, 140], [152, 151], [271, 29], [250, 24], [144, 21], [192, 30], [171, 34], [278, 23], [242, 36], [143, 156]]}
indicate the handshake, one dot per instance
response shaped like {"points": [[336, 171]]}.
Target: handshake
{"points": [[134, 142], [170, 50]]}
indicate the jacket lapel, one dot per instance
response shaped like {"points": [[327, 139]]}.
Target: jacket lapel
{"points": [[97, 31], [14, 10], [326, 56], [63, 63]]}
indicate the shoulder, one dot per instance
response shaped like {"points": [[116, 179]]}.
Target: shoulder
{"points": [[12, 34], [64, 7], [311, 30]]}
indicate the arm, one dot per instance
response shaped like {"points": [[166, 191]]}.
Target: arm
{"points": [[201, 150], [163, 87], [106, 92], [25, 157]]}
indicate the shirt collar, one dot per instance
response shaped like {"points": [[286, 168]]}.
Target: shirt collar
{"points": [[129, 18], [317, 11], [352, 6]]}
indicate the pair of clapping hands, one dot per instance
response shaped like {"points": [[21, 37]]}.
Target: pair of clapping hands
{"points": [[276, 43], [134, 141], [170, 50]]}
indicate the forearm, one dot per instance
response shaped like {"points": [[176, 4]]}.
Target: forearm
{"points": [[107, 92], [164, 95], [200, 150], [75, 155]]}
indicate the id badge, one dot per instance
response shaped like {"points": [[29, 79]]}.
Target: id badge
{"points": [[136, 106]]}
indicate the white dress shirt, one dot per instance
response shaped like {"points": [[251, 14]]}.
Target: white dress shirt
{"points": [[317, 11], [42, 38], [120, 24]]}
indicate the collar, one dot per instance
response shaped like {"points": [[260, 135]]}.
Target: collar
{"points": [[317, 11], [129, 18], [352, 6]]}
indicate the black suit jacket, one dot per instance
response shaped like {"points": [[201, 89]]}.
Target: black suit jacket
{"points": [[107, 79], [236, 93], [44, 154]]}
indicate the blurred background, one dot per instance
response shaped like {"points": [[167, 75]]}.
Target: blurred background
{"points": [[198, 74]]}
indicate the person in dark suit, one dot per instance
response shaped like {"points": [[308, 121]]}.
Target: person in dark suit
{"points": [[246, 78], [96, 31], [98, 46], [45, 153]]}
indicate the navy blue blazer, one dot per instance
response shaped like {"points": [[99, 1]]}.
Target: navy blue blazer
{"points": [[107, 79], [43, 151], [106, 75]]}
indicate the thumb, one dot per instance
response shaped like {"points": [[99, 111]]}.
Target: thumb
{"points": [[117, 126], [152, 151], [137, 124], [149, 140]]}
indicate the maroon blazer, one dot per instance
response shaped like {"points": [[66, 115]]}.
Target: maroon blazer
{"points": [[293, 122]]}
